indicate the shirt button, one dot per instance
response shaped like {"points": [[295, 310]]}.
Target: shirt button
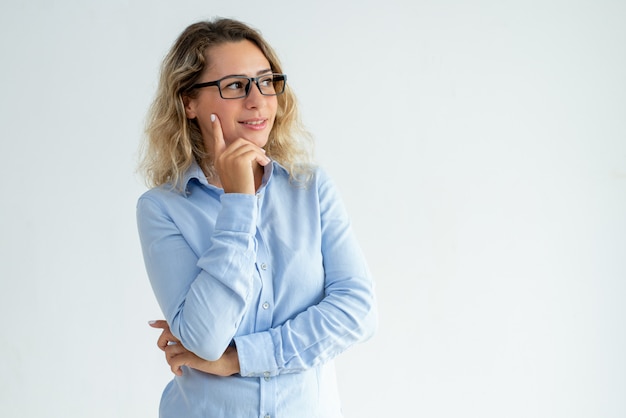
{"points": [[263, 266], [266, 305], [267, 416], [266, 376]]}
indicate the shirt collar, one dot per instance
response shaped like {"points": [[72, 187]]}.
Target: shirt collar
{"points": [[194, 172]]}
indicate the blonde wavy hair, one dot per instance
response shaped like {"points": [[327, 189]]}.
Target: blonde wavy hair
{"points": [[172, 141]]}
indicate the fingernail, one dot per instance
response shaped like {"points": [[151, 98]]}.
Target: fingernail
{"points": [[212, 117], [151, 322]]}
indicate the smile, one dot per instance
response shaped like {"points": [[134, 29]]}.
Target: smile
{"points": [[254, 122]]}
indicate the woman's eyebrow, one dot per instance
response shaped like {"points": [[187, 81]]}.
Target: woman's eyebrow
{"points": [[260, 72]]}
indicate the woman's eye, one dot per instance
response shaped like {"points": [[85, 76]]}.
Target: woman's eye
{"points": [[235, 85]]}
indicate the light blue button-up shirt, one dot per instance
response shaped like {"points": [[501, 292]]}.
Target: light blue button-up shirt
{"points": [[279, 274]]}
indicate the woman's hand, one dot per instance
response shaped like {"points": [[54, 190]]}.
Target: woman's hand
{"points": [[177, 355], [235, 163]]}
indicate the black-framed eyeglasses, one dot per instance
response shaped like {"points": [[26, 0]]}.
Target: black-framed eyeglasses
{"points": [[238, 86]]}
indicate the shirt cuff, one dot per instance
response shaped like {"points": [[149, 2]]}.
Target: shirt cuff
{"points": [[238, 214], [256, 355]]}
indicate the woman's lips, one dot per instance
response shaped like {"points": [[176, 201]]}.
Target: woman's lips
{"points": [[255, 124]]}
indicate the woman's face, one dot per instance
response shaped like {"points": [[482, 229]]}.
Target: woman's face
{"points": [[250, 118]]}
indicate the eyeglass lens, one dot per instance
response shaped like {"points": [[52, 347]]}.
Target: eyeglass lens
{"points": [[236, 87]]}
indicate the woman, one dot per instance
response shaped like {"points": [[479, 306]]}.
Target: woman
{"points": [[247, 245]]}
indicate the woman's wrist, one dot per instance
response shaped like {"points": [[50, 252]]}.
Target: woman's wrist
{"points": [[227, 365]]}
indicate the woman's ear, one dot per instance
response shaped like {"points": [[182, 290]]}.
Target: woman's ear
{"points": [[190, 107]]}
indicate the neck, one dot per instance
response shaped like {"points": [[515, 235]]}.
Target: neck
{"points": [[258, 175]]}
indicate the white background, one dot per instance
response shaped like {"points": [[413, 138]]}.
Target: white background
{"points": [[480, 147]]}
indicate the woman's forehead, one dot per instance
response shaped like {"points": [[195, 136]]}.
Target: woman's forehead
{"points": [[241, 58]]}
